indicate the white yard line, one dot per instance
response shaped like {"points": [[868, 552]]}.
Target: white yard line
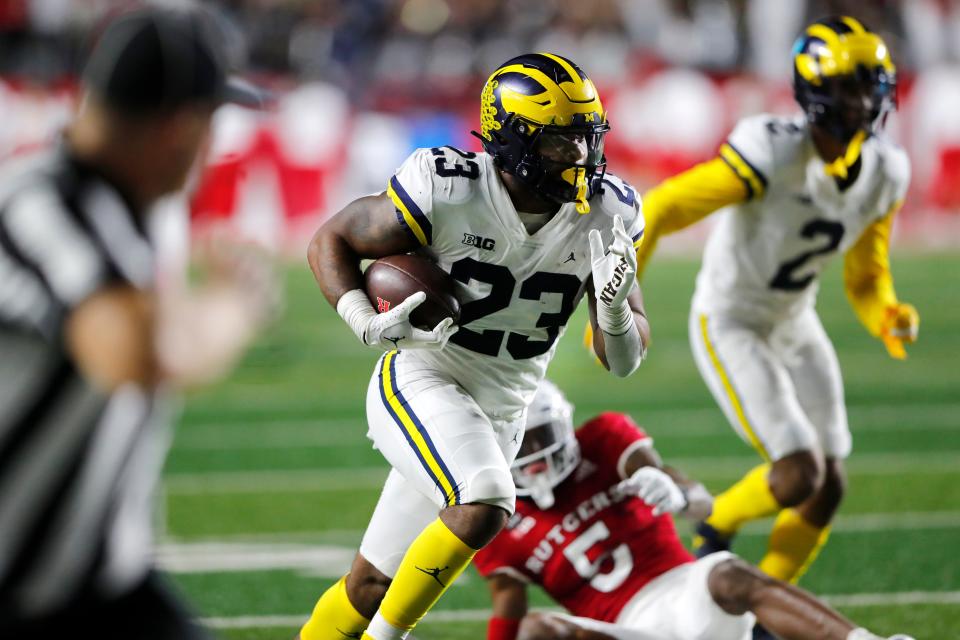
{"points": [[871, 464], [865, 522], [261, 481], [329, 553], [215, 557], [254, 622], [901, 598], [315, 432], [854, 523], [881, 464], [280, 434], [897, 598]]}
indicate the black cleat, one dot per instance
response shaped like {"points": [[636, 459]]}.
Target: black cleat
{"points": [[708, 540], [760, 633]]}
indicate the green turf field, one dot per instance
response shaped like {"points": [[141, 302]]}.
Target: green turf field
{"points": [[271, 480]]}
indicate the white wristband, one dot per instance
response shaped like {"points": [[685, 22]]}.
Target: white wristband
{"points": [[357, 312], [699, 502], [625, 351], [616, 321]]}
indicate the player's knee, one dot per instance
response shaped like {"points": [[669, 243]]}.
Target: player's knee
{"points": [[735, 585], [475, 524], [797, 477], [834, 484], [366, 586]]}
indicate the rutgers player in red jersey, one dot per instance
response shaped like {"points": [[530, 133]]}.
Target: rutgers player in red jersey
{"points": [[593, 529]]}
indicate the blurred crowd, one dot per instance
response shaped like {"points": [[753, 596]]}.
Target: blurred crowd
{"points": [[364, 45], [363, 82]]}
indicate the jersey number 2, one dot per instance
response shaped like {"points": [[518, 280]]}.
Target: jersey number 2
{"points": [[785, 278], [576, 553], [502, 284]]}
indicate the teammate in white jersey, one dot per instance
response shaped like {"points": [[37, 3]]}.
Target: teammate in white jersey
{"points": [[798, 191], [525, 229]]}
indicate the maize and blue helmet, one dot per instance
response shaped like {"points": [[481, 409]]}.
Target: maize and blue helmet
{"points": [[535, 95], [843, 77]]}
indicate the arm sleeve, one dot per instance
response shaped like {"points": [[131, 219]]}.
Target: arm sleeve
{"points": [[411, 190], [502, 628], [867, 277], [686, 198]]}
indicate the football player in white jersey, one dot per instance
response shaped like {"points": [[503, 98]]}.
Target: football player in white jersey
{"points": [[797, 192], [525, 229]]}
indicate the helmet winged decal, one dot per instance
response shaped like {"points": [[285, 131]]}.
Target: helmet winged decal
{"points": [[537, 95]]}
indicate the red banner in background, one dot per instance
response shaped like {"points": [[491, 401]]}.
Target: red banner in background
{"points": [[275, 175]]}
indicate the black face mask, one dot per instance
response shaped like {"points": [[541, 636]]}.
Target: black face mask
{"points": [[557, 167], [844, 105], [517, 148]]}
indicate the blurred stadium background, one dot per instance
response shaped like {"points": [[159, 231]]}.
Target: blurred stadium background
{"points": [[271, 480]]}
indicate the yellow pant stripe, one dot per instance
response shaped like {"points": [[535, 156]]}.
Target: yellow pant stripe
{"points": [[731, 393], [414, 431]]}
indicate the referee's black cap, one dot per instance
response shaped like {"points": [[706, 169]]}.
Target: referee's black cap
{"points": [[155, 59]]}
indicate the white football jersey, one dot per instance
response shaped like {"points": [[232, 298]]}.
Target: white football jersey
{"points": [[762, 260], [516, 289]]}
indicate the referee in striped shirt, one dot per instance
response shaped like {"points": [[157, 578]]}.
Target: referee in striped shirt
{"points": [[82, 438]]}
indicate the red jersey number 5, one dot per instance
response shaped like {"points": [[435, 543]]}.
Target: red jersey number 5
{"points": [[576, 553]]}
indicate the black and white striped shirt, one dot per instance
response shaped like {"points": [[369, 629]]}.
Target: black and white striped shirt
{"points": [[77, 467]]}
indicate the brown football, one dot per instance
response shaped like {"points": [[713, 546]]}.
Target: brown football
{"points": [[392, 279]]}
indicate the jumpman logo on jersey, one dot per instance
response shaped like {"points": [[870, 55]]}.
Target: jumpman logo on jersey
{"points": [[516, 436], [353, 635], [570, 258], [434, 573]]}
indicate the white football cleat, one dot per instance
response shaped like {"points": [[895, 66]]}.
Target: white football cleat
{"points": [[900, 636]]}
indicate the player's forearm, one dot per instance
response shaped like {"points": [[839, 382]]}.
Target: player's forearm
{"points": [[623, 351], [335, 265], [365, 228], [509, 606], [867, 276], [621, 335], [870, 298], [699, 501]]}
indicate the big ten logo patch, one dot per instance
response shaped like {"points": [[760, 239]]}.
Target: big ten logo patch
{"points": [[487, 244]]}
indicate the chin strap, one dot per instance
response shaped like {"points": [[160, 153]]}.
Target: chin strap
{"points": [[577, 176], [839, 167]]}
